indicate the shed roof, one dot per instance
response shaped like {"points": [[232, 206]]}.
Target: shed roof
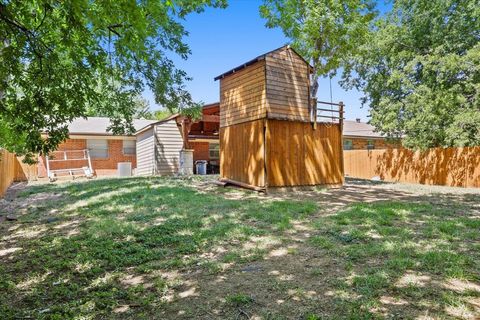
{"points": [[360, 129], [99, 125], [260, 57]]}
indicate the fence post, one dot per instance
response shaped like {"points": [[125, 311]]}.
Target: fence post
{"points": [[340, 115]]}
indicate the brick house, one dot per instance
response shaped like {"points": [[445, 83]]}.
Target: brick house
{"points": [[358, 135], [106, 150]]}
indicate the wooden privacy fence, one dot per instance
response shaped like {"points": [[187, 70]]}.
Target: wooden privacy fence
{"points": [[456, 167], [13, 169]]}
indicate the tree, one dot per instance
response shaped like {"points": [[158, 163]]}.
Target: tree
{"points": [[325, 32], [162, 114], [58, 59], [140, 108], [420, 72]]}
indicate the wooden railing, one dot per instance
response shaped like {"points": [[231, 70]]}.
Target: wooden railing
{"points": [[459, 167], [329, 112]]}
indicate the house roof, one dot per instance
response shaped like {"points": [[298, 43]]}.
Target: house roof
{"points": [[206, 108], [99, 125], [260, 57], [360, 129]]}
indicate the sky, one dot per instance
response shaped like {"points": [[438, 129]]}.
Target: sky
{"points": [[221, 39]]}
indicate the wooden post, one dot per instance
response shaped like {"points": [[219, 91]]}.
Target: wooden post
{"points": [[341, 111], [89, 161], [186, 126], [314, 113], [48, 166]]}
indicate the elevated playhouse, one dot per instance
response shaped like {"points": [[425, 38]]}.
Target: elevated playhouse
{"points": [[271, 133]]}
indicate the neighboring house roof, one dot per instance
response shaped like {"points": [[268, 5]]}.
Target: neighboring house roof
{"points": [[259, 58], [99, 125], [360, 129]]}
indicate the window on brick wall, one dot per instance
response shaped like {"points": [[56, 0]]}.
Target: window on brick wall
{"points": [[214, 150], [129, 147], [347, 144], [98, 148], [370, 144]]}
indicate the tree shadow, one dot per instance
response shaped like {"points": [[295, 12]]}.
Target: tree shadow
{"points": [[458, 167], [165, 247]]}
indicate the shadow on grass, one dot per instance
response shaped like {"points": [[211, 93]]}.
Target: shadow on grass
{"points": [[404, 258], [94, 247]]}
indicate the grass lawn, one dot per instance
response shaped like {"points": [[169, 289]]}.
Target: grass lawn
{"points": [[160, 248]]}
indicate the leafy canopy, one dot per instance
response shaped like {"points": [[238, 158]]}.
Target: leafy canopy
{"points": [[420, 72], [61, 59], [325, 32]]}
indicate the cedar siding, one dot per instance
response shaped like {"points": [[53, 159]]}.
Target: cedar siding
{"points": [[299, 155], [242, 95], [267, 137], [242, 150], [287, 78]]}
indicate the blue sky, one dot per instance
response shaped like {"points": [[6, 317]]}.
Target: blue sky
{"points": [[221, 39]]}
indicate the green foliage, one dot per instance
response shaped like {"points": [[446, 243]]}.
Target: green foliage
{"points": [[161, 114], [60, 59], [141, 109], [239, 299], [420, 72], [194, 112], [325, 32]]}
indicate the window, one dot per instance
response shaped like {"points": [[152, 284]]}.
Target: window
{"points": [[347, 144], [98, 148], [129, 147], [214, 150], [370, 144]]}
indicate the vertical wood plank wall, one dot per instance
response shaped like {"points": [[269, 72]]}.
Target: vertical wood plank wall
{"points": [[12, 169], [287, 78], [242, 95], [299, 155], [7, 170], [242, 152], [458, 167]]}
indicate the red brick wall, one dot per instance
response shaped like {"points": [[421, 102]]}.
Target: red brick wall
{"points": [[200, 151], [361, 143], [101, 167]]}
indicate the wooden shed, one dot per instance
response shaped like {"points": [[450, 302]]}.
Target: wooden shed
{"points": [[158, 148], [270, 136]]}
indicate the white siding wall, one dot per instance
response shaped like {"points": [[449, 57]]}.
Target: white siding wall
{"points": [[145, 153], [168, 142]]}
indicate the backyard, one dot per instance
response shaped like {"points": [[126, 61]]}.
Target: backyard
{"points": [[141, 248]]}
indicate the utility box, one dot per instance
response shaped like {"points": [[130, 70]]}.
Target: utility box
{"points": [[269, 133], [186, 162], [124, 169]]}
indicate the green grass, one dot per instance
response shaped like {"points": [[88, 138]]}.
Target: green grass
{"points": [[142, 248], [239, 299], [386, 241], [115, 228]]}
